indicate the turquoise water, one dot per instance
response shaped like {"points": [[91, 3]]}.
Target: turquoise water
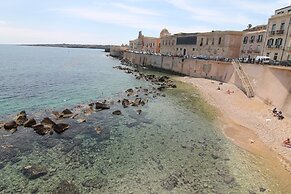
{"points": [[171, 147], [33, 78]]}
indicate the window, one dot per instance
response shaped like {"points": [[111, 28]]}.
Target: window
{"points": [[245, 41], [282, 26], [260, 38], [201, 42], [278, 42], [212, 41], [268, 54], [275, 56], [219, 40], [207, 41], [270, 42], [252, 39], [193, 49], [177, 49], [273, 27]]}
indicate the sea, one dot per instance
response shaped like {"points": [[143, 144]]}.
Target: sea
{"points": [[173, 146]]}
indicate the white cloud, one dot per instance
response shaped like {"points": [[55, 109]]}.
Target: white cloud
{"points": [[120, 18], [136, 10]]}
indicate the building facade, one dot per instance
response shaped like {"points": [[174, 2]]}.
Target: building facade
{"points": [[278, 41], [253, 41], [167, 43], [145, 44]]}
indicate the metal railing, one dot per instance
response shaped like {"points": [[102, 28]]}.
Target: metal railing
{"points": [[248, 89]]}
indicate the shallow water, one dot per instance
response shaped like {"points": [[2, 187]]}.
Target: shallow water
{"points": [[173, 146]]}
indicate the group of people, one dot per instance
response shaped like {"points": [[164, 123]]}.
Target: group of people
{"points": [[278, 114], [287, 143]]}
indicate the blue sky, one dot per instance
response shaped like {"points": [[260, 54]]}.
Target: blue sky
{"points": [[117, 21]]}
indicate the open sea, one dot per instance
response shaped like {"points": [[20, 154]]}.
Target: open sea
{"points": [[173, 146]]}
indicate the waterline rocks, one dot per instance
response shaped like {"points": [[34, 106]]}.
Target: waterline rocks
{"points": [[101, 106], [41, 129], [21, 118], [61, 127], [30, 122], [10, 125]]}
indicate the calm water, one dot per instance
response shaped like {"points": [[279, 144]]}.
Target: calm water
{"points": [[173, 146]]}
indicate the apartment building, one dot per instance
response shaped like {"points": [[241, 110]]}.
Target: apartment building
{"points": [[278, 41], [253, 41]]}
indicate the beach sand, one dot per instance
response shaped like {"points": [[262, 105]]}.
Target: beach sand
{"points": [[249, 123]]}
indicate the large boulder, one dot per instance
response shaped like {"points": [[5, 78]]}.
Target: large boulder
{"points": [[67, 113], [29, 122], [101, 106], [60, 128], [41, 129], [21, 118], [47, 122], [10, 125]]}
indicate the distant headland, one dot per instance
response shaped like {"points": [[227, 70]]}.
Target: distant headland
{"points": [[87, 46]]}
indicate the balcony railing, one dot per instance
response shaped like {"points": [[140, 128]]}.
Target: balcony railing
{"points": [[271, 33], [280, 32]]}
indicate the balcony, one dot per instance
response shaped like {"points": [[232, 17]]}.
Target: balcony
{"points": [[279, 32], [274, 46], [271, 33], [249, 51]]}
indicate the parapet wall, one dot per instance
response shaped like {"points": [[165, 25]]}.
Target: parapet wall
{"points": [[271, 84]]}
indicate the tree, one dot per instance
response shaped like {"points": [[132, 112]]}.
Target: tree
{"points": [[249, 26]]}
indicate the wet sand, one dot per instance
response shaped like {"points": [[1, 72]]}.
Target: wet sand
{"points": [[249, 123]]}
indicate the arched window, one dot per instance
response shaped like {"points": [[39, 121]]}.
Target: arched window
{"points": [[270, 42], [245, 40]]}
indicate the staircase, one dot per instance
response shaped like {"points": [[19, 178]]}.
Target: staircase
{"points": [[244, 79]]}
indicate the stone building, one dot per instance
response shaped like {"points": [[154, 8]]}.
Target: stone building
{"points": [[215, 44], [186, 44], [167, 43], [219, 44], [278, 41], [253, 41], [145, 44]]}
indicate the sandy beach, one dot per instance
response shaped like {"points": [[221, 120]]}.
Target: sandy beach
{"points": [[249, 123]]}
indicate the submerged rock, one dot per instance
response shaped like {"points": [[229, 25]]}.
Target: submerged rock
{"points": [[10, 125], [139, 111], [98, 130], [125, 103], [66, 187], [29, 122], [81, 120], [170, 183], [117, 112], [34, 172], [96, 182]]}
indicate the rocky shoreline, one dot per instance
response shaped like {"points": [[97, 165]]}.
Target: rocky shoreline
{"points": [[49, 125]]}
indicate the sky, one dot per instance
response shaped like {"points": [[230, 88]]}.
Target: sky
{"points": [[118, 21]]}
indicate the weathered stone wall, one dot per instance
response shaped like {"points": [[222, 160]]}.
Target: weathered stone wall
{"points": [[271, 84]]}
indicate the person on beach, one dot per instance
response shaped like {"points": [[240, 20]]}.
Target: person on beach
{"points": [[287, 143]]}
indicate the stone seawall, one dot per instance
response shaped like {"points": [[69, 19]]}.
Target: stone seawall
{"points": [[271, 84]]}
